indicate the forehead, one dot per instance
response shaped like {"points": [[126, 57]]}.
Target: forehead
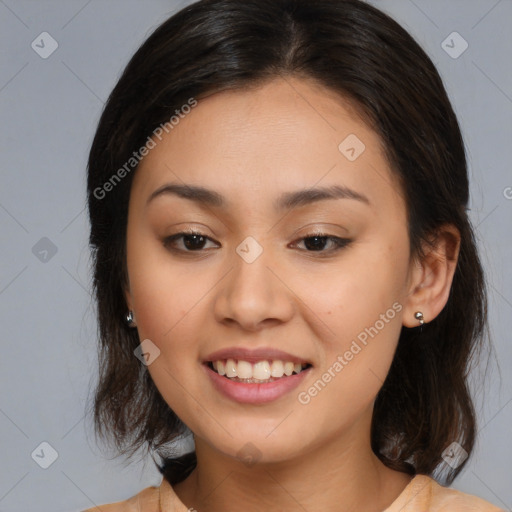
{"points": [[254, 144]]}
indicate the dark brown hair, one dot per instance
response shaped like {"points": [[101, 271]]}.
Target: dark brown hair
{"points": [[355, 50]]}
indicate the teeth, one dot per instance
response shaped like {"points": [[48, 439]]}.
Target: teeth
{"points": [[262, 370], [231, 368], [277, 369], [244, 370]]}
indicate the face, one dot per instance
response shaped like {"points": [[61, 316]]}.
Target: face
{"points": [[271, 276]]}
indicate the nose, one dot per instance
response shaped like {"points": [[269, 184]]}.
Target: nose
{"points": [[254, 295]]}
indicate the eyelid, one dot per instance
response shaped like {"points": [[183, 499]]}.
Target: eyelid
{"points": [[339, 242], [185, 232], [314, 227]]}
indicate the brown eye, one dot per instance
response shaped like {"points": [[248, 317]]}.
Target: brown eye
{"points": [[318, 241], [191, 242], [195, 242]]}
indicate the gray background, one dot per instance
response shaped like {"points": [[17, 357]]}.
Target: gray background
{"points": [[50, 108]]}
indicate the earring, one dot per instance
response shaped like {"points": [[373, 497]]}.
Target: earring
{"points": [[419, 316], [130, 319]]}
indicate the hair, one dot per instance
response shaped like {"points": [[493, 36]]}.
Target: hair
{"points": [[363, 55]]}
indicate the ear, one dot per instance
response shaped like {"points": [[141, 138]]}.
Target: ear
{"points": [[430, 279], [129, 304]]}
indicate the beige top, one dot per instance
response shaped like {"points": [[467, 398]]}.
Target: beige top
{"points": [[422, 494]]}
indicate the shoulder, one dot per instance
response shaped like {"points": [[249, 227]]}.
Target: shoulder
{"points": [[425, 491], [451, 499], [145, 501]]}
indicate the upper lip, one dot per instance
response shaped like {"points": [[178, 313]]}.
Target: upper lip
{"points": [[254, 355]]}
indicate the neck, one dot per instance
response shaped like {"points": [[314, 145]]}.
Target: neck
{"points": [[342, 475]]}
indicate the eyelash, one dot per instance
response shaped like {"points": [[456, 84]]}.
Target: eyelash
{"points": [[340, 243]]}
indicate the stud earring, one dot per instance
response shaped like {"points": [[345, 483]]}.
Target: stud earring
{"points": [[419, 316], [130, 319]]}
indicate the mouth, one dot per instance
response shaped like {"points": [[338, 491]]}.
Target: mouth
{"points": [[259, 372]]}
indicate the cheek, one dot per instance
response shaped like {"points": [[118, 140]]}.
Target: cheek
{"points": [[169, 301], [162, 318], [163, 293], [362, 288], [362, 309], [356, 361]]}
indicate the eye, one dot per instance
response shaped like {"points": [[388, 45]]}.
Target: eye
{"points": [[316, 242], [193, 241]]}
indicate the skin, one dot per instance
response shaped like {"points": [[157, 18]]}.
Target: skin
{"points": [[251, 146]]}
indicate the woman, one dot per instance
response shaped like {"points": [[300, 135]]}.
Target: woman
{"points": [[284, 265]]}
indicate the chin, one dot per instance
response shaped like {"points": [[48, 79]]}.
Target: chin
{"points": [[251, 447]]}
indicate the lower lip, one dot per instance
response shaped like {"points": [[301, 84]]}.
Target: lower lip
{"points": [[255, 393]]}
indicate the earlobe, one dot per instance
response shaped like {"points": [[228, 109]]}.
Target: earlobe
{"points": [[432, 277], [130, 319], [130, 315]]}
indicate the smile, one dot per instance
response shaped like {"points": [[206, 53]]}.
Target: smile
{"points": [[255, 383], [256, 373]]}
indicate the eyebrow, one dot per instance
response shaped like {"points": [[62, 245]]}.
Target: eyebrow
{"points": [[286, 201]]}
